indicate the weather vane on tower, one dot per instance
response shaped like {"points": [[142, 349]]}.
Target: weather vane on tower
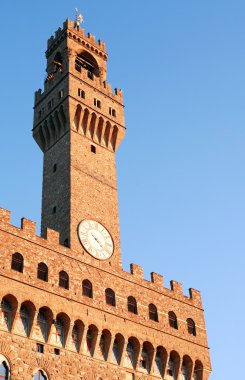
{"points": [[78, 18]]}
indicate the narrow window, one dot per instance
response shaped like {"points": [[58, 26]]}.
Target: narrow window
{"points": [[61, 93], [93, 149], [97, 103], [87, 289], [81, 93], [42, 272], [39, 348], [153, 315], [54, 210], [17, 262], [110, 297], [132, 305], [63, 280], [112, 112], [43, 324], [57, 351], [54, 168], [50, 104], [172, 320], [6, 314], [25, 319], [191, 327]]}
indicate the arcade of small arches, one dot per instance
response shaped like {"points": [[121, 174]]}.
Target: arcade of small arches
{"points": [[95, 127], [41, 325], [17, 264], [52, 128]]}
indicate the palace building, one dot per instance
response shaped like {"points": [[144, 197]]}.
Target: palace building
{"points": [[68, 309]]}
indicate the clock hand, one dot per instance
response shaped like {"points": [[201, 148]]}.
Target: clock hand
{"points": [[95, 238]]}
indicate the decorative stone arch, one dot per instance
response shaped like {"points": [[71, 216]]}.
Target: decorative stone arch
{"points": [[77, 117], [117, 348], [41, 364], [12, 300], [198, 370], [8, 355], [162, 355], [187, 361], [31, 308]]}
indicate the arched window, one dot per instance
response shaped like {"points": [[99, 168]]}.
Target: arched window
{"points": [[132, 305], [158, 366], [153, 315], [59, 333], [40, 376], [43, 324], [75, 338], [25, 319], [191, 327], [87, 289], [89, 341], [110, 297], [63, 280], [170, 368], [144, 361], [115, 351], [173, 322], [86, 61], [129, 356], [42, 272], [17, 262], [4, 369], [183, 372], [6, 314], [102, 346]]}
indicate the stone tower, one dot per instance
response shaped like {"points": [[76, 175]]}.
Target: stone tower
{"points": [[79, 124], [68, 309]]}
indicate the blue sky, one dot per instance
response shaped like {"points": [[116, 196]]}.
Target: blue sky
{"points": [[181, 166]]}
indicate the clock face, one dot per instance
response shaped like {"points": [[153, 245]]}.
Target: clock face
{"points": [[95, 239]]}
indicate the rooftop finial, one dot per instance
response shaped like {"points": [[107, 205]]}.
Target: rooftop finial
{"points": [[78, 18]]}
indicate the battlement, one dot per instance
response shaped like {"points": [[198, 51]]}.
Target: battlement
{"points": [[78, 33], [51, 241]]}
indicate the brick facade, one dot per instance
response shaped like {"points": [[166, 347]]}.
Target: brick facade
{"points": [[79, 124]]}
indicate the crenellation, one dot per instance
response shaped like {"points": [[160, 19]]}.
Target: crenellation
{"points": [[5, 217], [28, 226], [66, 289], [177, 288], [157, 279], [136, 271]]}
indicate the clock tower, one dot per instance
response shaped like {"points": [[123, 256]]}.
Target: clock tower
{"points": [[67, 308], [79, 124]]}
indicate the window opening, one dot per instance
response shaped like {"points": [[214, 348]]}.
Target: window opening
{"points": [[87, 289], [110, 297], [191, 327], [132, 305], [153, 315], [42, 272], [40, 348], [93, 149], [6, 314], [64, 280], [172, 320], [17, 262]]}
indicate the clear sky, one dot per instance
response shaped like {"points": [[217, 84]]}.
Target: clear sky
{"points": [[181, 166]]}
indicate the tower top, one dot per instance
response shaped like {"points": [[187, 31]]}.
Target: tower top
{"points": [[72, 29]]}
